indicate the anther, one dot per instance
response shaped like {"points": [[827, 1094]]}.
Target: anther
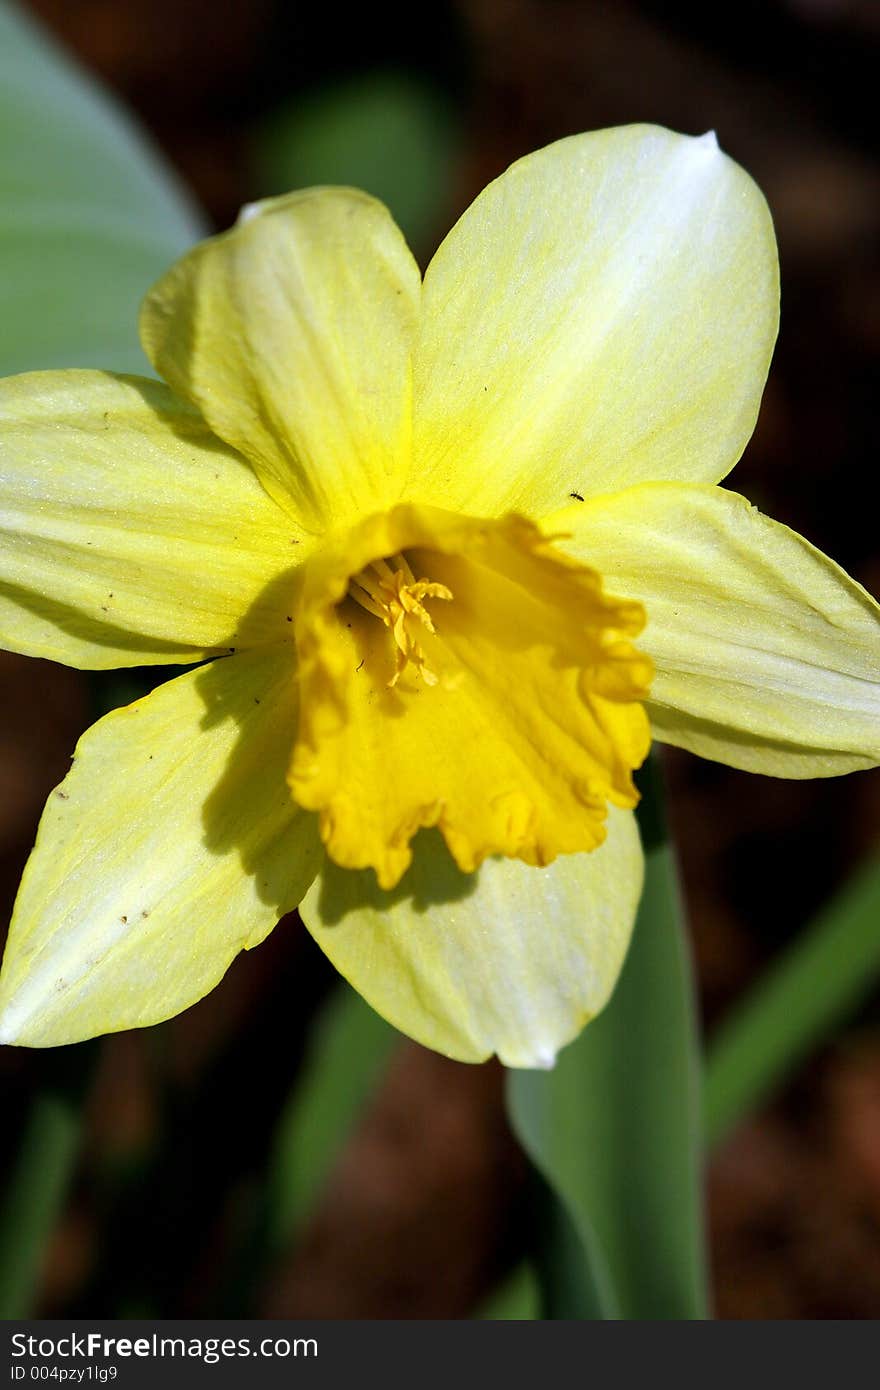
{"points": [[389, 591]]}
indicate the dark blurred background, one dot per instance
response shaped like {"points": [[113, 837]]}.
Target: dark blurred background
{"points": [[420, 1216]]}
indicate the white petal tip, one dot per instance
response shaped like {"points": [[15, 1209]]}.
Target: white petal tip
{"points": [[540, 1059], [545, 1061], [708, 142], [14, 1020], [248, 213]]}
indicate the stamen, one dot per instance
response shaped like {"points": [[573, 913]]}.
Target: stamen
{"points": [[368, 597], [388, 590]]}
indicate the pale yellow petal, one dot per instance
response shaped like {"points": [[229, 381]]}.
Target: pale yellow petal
{"points": [[510, 960], [603, 314], [515, 721], [171, 845], [767, 654], [292, 333], [129, 535]]}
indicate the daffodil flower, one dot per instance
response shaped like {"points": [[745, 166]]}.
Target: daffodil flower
{"points": [[452, 550]]}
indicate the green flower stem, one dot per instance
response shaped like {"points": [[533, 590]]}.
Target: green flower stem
{"points": [[614, 1128], [820, 979]]}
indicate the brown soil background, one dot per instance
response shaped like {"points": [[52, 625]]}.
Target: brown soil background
{"points": [[420, 1215]]}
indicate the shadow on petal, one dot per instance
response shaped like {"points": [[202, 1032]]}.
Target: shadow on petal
{"points": [[433, 878], [250, 808]]}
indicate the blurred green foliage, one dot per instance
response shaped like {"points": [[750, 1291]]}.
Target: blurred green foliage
{"points": [[384, 132], [37, 1184], [517, 1299], [347, 1052], [819, 981], [89, 216]]}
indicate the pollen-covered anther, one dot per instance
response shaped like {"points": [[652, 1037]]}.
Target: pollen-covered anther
{"points": [[389, 590]]}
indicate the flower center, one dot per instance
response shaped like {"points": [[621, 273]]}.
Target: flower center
{"points": [[534, 720], [390, 591]]}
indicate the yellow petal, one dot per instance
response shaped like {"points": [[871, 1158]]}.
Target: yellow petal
{"points": [[509, 719], [603, 314], [171, 845], [767, 654], [129, 534], [510, 960], [292, 334]]}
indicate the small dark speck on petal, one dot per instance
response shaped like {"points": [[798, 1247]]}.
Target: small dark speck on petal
{"points": [[256, 701], [64, 795], [145, 913], [289, 619], [104, 608], [123, 919]]}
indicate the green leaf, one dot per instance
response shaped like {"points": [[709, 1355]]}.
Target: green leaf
{"points": [[614, 1128], [820, 979], [574, 1281], [89, 216], [387, 133], [348, 1051]]}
